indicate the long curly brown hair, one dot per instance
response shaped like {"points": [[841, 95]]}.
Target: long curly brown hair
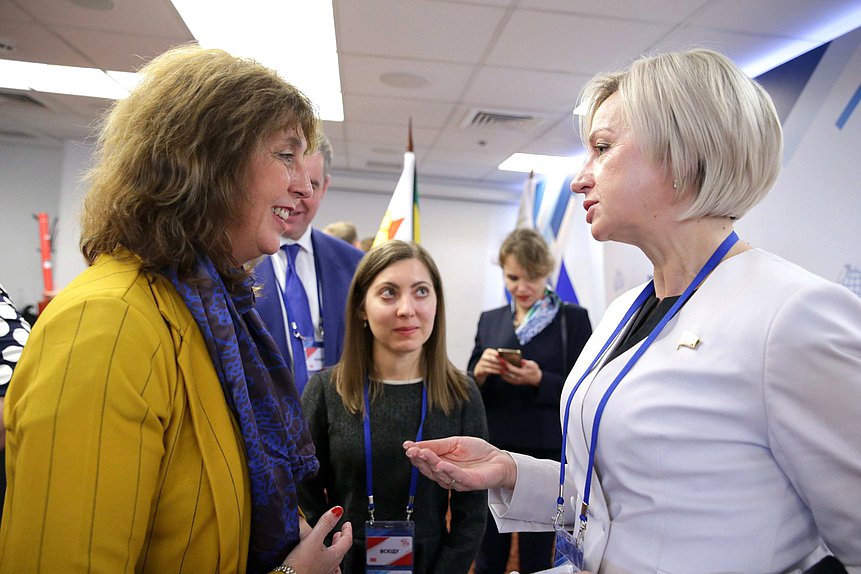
{"points": [[172, 156]]}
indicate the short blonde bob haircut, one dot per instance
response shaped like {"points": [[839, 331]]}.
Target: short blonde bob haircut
{"points": [[172, 158], [447, 387], [530, 250], [697, 115]]}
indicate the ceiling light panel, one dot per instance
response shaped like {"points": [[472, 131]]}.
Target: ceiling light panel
{"points": [[294, 37]]}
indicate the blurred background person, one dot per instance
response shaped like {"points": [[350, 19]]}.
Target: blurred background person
{"points": [[521, 398], [367, 243], [345, 231], [395, 372], [304, 284], [153, 426], [711, 420], [14, 331]]}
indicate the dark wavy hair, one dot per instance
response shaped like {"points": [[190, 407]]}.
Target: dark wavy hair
{"points": [[172, 156]]}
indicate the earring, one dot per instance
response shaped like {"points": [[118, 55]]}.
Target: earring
{"points": [[675, 184], [365, 324]]}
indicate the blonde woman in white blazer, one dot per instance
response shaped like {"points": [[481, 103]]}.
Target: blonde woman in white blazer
{"points": [[720, 401]]}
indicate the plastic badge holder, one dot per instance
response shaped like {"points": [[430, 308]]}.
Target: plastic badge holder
{"points": [[389, 547]]}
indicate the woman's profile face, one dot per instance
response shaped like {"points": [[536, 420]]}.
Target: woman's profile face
{"points": [[524, 291], [626, 198], [275, 181], [400, 307]]}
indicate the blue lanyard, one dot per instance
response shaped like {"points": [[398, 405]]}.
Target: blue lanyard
{"points": [[710, 265], [414, 475]]}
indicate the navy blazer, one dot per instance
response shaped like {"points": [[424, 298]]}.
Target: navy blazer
{"points": [[525, 418], [335, 261]]}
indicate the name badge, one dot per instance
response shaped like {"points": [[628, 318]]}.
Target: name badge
{"points": [[313, 355], [567, 553], [389, 547]]}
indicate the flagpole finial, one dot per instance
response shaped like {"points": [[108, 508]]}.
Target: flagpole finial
{"points": [[410, 136]]}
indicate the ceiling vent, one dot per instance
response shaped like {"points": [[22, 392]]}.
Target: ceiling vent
{"points": [[18, 98], [485, 119]]}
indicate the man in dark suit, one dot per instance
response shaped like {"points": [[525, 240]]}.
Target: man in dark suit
{"points": [[304, 288]]}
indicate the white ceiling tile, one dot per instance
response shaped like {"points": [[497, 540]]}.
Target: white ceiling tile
{"points": [[396, 111], [785, 18], [560, 139], [361, 75], [11, 11], [520, 89], [644, 10], [363, 158], [391, 135], [450, 169], [479, 160], [131, 50], [334, 131], [511, 180], [480, 2], [58, 123], [472, 140], [156, 17], [742, 48], [35, 43], [568, 43], [422, 29]]}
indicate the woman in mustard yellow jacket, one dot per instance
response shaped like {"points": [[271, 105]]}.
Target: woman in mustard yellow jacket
{"points": [[153, 425]]}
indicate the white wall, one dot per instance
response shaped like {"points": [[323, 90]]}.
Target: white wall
{"points": [[69, 261], [812, 216], [30, 181]]}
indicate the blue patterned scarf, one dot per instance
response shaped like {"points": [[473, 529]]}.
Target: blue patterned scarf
{"points": [[539, 316], [260, 391]]}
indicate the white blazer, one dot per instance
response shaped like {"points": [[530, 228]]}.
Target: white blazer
{"points": [[741, 454]]}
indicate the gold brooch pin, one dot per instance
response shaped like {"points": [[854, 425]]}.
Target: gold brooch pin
{"points": [[688, 340]]}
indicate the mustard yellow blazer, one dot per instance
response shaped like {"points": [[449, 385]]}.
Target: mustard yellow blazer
{"points": [[122, 454]]}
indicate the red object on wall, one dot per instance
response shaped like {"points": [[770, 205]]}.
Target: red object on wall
{"points": [[47, 267]]}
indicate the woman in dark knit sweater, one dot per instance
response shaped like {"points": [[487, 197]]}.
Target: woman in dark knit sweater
{"points": [[394, 362]]}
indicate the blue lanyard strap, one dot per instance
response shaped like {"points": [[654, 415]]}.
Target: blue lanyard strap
{"points": [[414, 475], [709, 266]]}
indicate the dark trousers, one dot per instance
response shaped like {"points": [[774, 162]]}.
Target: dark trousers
{"points": [[534, 550]]}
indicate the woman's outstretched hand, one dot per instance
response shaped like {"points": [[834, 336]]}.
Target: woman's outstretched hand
{"points": [[312, 556], [463, 463]]}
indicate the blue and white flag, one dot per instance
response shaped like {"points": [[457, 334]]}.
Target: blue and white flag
{"points": [[544, 206]]}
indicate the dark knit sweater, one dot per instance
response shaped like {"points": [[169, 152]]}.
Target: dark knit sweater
{"points": [[395, 417]]}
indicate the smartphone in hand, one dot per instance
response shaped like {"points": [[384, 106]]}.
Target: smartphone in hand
{"points": [[512, 356]]}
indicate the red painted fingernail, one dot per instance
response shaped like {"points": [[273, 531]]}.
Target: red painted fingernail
{"points": [[338, 511]]}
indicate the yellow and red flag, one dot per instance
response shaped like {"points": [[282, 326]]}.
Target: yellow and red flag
{"points": [[401, 220]]}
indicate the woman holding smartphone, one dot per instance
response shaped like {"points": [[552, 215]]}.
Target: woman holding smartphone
{"points": [[521, 393]]}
